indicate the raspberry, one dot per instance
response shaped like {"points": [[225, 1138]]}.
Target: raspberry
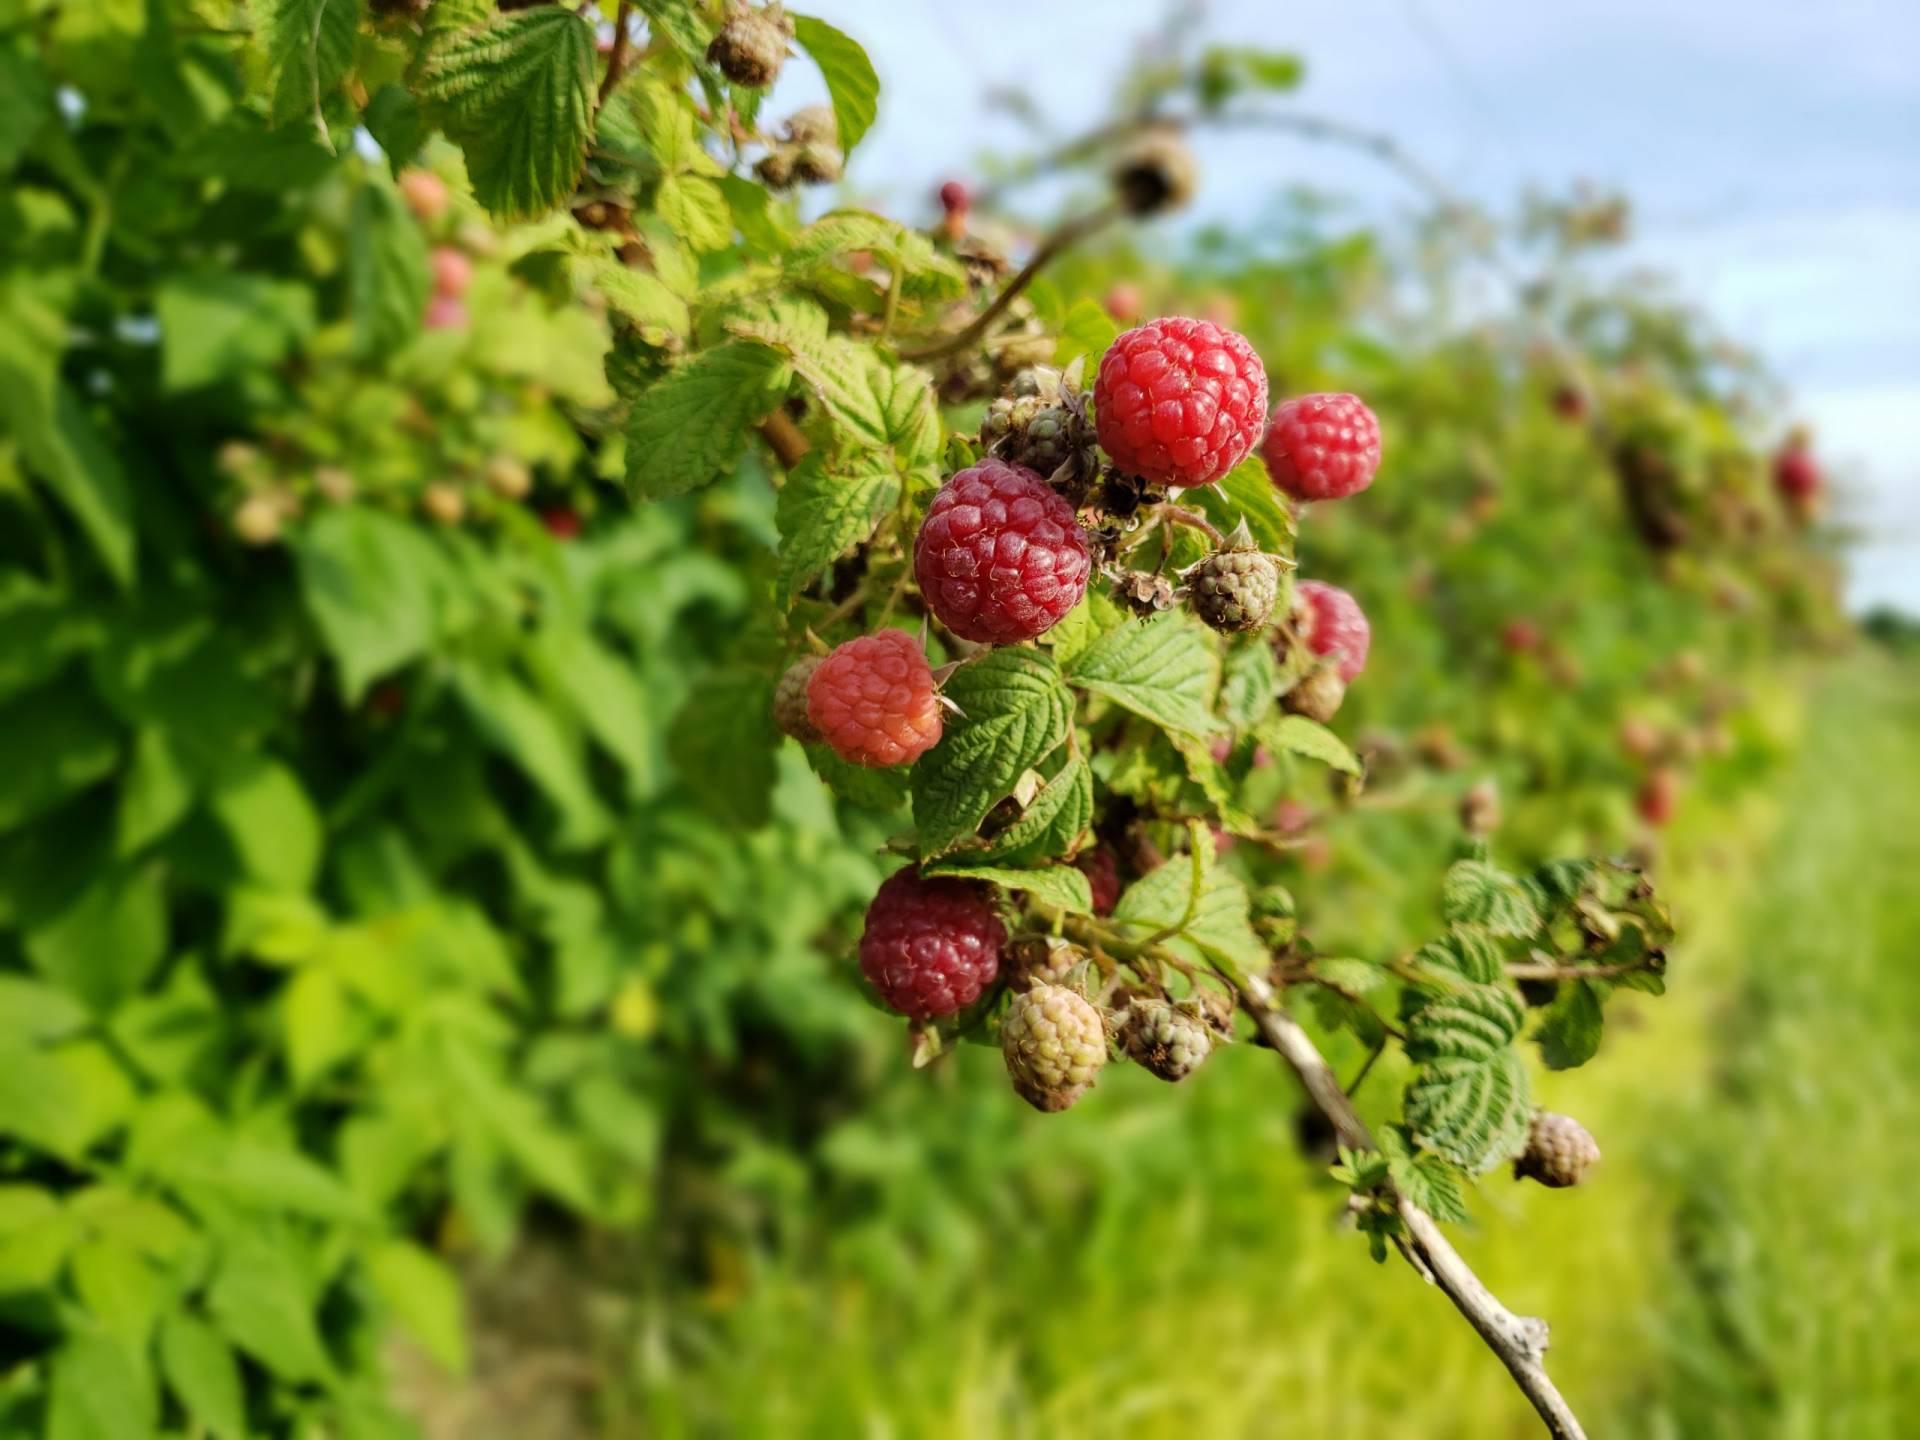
{"points": [[508, 477], [1480, 808], [1658, 796], [1317, 695], [1158, 172], [1166, 1040], [1179, 402], [931, 946], [1234, 589], [1054, 1042], [444, 313], [1122, 301], [1796, 474], [752, 46], [872, 700], [790, 701], [563, 522], [1041, 960], [818, 164], [425, 193], [954, 197], [1331, 621], [1102, 869], [1322, 447], [452, 272], [1000, 557], [1559, 1151], [811, 125]]}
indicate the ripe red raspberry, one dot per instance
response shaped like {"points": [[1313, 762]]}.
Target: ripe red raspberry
{"points": [[562, 522], [954, 196], [1000, 557], [872, 700], [1102, 869], [452, 272], [1180, 402], [1659, 795], [1331, 620], [1796, 474], [931, 946], [1322, 447]]}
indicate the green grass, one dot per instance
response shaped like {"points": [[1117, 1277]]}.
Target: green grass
{"points": [[1169, 1263]]}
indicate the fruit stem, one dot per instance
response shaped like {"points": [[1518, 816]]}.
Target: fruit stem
{"points": [[1193, 520], [617, 61]]}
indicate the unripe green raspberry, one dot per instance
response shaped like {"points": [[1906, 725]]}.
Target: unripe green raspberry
{"points": [[1167, 1040], [1316, 695], [775, 168], [1054, 1042], [818, 164], [1040, 960], [752, 46], [1234, 589], [812, 124], [790, 701], [1559, 1151]]}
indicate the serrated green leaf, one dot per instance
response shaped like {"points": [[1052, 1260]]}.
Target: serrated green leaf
{"points": [[1088, 330], [1058, 885], [1426, 1179], [851, 82], [1297, 735], [821, 512], [1467, 952], [201, 1370], [646, 300], [425, 1298], [1200, 909], [1474, 1112], [690, 427], [697, 210], [397, 124], [96, 1391], [1473, 1022], [1165, 671], [517, 97], [261, 1303], [1059, 814], [309, 49], [863, 785], [874, 404], [26, 100], [925, 274], [1476, 893], [1014, 713], [1247, 688]]}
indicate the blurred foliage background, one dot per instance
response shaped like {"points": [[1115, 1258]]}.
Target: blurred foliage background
{"points": [[425, 996]]}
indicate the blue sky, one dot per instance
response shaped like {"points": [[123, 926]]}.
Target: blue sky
{"points": [[1772, 149]]}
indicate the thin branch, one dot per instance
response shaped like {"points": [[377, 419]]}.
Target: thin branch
{"points": [[1519, 1340], [783, 437], [1547, 970], [1193, 520], [1066, 235], [617, 61]]}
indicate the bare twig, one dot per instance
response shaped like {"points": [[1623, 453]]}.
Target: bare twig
{"points": [[617, 61], [1547, 970], [1519, 1340], [1066, 235], [783, 437]]}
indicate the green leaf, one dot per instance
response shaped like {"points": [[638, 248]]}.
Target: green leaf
{"points": [[265, 1176], [863, 785], [274, 826], [1056, 817], [35, 1233], [821, 512], [1014, 713], [723, 743], [925, 274], [317, 1016], [309, 49], [1297, 735], [201, 1370], [1088, 330], [1246, 493], [73, 743], [425, 1298], [388, 280], [690, 427], [1470, 1100], [155, 793], [261, 1303], [26, 99], [1474, 1112], [1476, 893], [97, 1391], [515, 722], [107, 940], [1200, 909], [372, 583], [1165, 671], [609, 697], [59, 443], [1059, 885], [1425, 1178], [1466, 951], [394, 118], [656, 312], [517, 98], [697, 210], [874, 404], [221, 325], [63, 1098], [851, 82], [1247, 689], [1570, 1034]]}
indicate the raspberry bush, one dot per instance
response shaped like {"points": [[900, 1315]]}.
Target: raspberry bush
{"points": [[450, 455]]}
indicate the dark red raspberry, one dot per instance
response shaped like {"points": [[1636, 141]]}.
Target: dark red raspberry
{"points": [[1520, 637], [872, 700], [562, 522], [1000, 557], [954, 196], [1331, 620], [1102, 869], [1180, 402], [931, 946], [1796, 474], [1322, 447]]}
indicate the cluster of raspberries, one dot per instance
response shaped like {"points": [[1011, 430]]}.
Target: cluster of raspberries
{"points": [[1001, 558]]}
